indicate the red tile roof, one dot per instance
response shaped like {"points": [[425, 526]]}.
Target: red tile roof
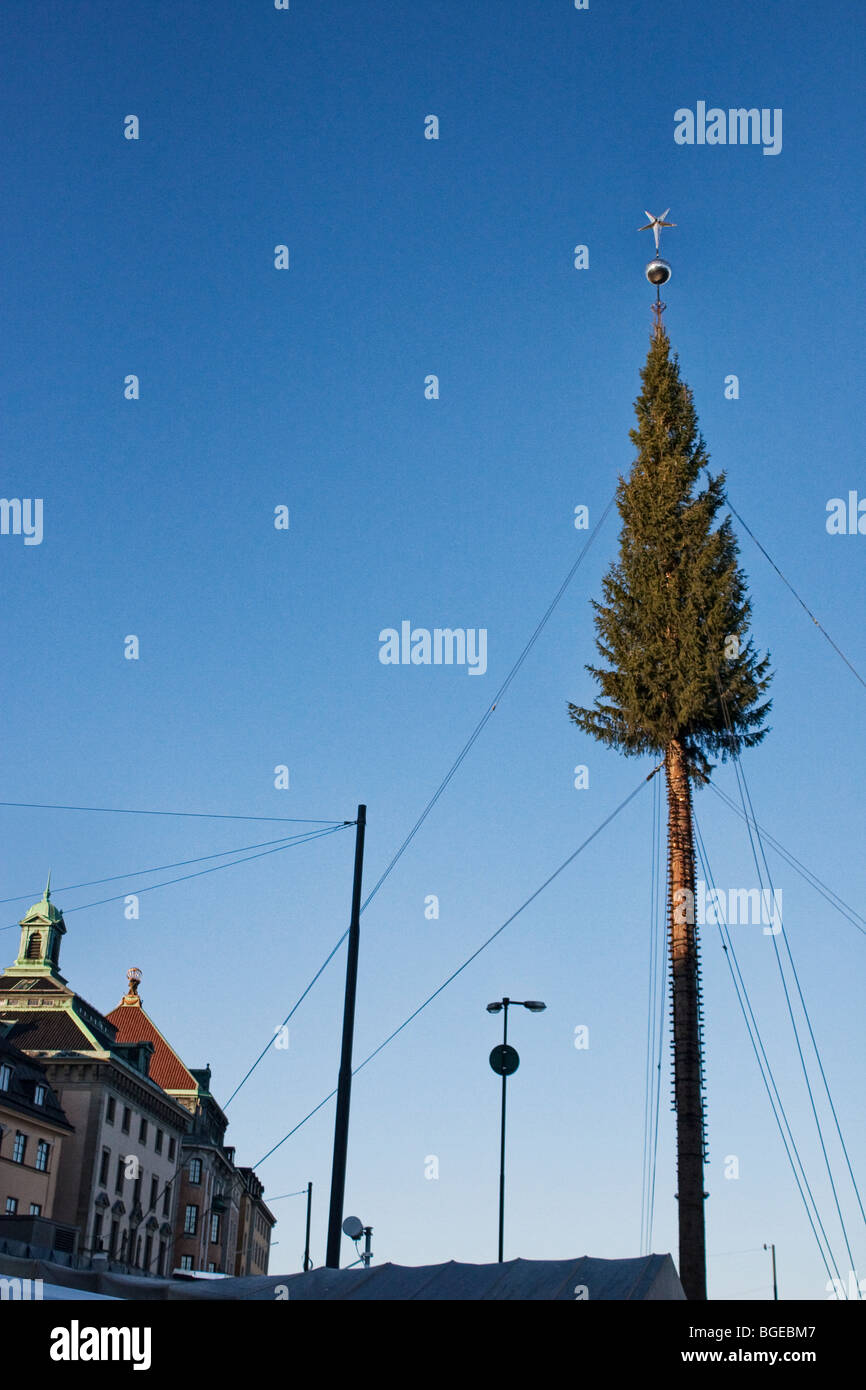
{"points": [[166, 1068]]}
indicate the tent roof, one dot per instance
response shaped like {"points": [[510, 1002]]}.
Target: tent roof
{"points": [[648, 1277]]}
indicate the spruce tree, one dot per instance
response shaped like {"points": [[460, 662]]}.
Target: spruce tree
{"points": [[683, 682]]}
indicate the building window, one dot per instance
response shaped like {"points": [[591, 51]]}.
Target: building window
{"points": [[43, 1148], [11, 1206], [195, 1171], [186, 1261], [211, 1269], [148, 1252], [19, 1147], [142, 1132], [171, 1147], [154, 1192], [103, 1167], [166, 1199], [5, 1077], [214, 1229], [136, 1191], [118, 1181], [39, 1095], [127, 1117], [35, 1208], [110, 1109], [97, 1230], [112, 1244], [158, 1142], [34, 946], [190, 1221]]}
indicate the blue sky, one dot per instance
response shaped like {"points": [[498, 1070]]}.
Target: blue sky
{"points": [[260, 647]]}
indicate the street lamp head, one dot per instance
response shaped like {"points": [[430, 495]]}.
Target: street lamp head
{"points": [[534, 1005], [494, 1008]]}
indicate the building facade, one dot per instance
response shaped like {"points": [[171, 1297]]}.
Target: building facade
{"points": [[33, 1128], [146, 1176], [212, 1191], [117, 1179], [254, 1227]]}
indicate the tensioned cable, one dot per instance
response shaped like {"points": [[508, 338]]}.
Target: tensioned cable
{"points": [[445, 781], [285, 1021], [650, 1036], [764, 1066], [763, 1060], [807, 1079], [453, 976], [806, 609], [653, 1068], [215, 868], [195, 815], [156, 868], [850, 913], [661, 966], [650, 1040], [305, 838], [751, 819], [497, 697]]}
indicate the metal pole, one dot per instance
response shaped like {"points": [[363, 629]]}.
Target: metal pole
{"points": [[344, 1084], [368, 1254], [772, 1250], [505, 1004], [308, 1263]]}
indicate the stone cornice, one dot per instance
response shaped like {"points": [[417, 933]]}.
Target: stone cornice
{"points": [[129, 1084]]}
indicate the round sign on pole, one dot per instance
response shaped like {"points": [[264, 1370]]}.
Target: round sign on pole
{"points": [[504, 1060]]}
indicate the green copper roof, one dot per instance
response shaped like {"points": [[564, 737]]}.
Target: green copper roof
{"points": [[44, 910]]}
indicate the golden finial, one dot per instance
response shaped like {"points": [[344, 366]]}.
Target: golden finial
{"points": [[133, 975]]}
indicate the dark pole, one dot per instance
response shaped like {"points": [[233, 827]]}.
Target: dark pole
{"points": [[344, 1084], [772, 1250], [505, 1004], [308, 1264]]}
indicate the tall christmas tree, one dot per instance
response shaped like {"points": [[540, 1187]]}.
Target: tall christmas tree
{"points": [[683, 681]]}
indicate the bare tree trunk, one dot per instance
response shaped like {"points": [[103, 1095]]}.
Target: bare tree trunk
{"points": [[688, 1071]]}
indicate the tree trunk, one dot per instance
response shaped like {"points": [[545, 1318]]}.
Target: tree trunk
{"points": [[688, 1070]]}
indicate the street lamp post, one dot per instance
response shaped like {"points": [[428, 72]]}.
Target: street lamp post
{"points": [[505, 1060]]}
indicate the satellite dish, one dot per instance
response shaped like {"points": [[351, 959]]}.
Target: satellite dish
{"points": [[353, 1228]]}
